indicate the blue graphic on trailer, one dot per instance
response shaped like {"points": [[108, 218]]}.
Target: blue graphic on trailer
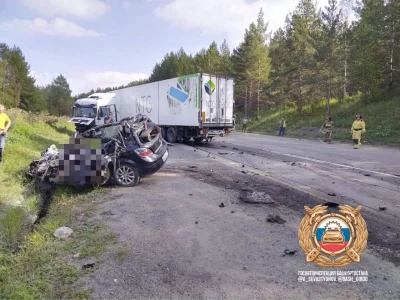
{"points": [[178, 94]]}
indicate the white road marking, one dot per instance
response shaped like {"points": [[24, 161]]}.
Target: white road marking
{"points": [[323, 162]]}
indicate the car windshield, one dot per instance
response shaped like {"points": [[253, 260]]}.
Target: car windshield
{"points": [[111, 131], [84, 112]]}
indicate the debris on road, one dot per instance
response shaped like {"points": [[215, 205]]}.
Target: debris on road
{"points": [[222, 153], [223, 146], [293, 163], [382, 208], [332, 194], [63, 233], [196, 222], [367, 175], [232, 211], [257, 198], [222, 205], [89, 265], [107, 213], [246, 190], [244, 172], [193, 167], [275, 219], [289, 252], [331, 204], [235, 149], [228, 187]]}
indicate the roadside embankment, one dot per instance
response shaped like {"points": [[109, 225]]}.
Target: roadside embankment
{"points": [[33, 262]]}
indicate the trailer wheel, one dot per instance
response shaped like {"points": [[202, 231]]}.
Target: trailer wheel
{"points": [[163, 133], [171, 135], [198, 140], [179, 136]]}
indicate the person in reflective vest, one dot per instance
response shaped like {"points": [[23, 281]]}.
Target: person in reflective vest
{"points": [[357, 129], [326, 128], [282, 127]]}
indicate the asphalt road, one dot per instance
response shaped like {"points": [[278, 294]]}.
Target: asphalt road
{"points": [[182, 245]]}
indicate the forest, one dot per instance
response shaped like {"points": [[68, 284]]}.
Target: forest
{"points": [[318, 55]]}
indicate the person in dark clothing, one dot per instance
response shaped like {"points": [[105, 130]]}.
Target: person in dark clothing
{"points": [[244, 124], [109, 119]]}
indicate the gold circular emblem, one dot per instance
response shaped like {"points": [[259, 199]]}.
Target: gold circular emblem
{"points": [[332, 235]]}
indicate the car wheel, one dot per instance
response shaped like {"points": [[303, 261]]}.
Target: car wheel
{"points": [[127, 175], [171, 135]]}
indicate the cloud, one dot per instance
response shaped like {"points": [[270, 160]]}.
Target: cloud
{"points": [[55, 27], [83, 9], [126, 4], [81, 82], [228, 17]]}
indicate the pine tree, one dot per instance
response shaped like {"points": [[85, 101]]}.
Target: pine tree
{"points": [[59, 96], [226, 67], [329, 50], [367, 55], [303, 32], [252, 63]]}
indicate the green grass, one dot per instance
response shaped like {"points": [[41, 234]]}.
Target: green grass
{"points": [[44, 267], [381, 118]]}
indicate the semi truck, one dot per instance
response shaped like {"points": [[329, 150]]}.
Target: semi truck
{"points": [[198, 106]]}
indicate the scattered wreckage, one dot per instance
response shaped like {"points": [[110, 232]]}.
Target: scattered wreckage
{"points": [[130, 149]]}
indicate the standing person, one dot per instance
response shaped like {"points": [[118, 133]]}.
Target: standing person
{"points": [[357, 129], [5, 124], [244, 124], [327, 127], [282, 127]]}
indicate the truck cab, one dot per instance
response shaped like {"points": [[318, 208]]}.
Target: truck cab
{"points": [[91, 111]]}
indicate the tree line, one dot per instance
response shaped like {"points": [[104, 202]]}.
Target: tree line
{"points": [[317, 55]]}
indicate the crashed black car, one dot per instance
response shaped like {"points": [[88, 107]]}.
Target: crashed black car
{"points": [[130, 149]]}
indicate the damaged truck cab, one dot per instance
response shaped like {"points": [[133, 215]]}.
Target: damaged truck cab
{"points": [[90, 112]]}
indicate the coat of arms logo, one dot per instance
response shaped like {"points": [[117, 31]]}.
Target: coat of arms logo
{"points": [[342, 236]]}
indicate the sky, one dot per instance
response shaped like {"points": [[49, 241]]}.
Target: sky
{"points": [[101, 43]]}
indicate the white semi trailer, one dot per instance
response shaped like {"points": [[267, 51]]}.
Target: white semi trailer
{"points": [[198, 106]]}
